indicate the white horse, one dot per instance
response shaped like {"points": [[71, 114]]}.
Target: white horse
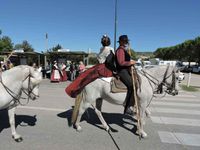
{"points": [[152, 79], [14, 82]]}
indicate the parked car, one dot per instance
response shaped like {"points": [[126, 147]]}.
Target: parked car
{"points": [[187, 68], [138, 66], [196, 69]]}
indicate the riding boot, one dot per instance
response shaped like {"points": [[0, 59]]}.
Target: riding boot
{"points": [[128, 104]]}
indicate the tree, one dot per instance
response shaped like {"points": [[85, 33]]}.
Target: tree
{"points": [[6, 44], [25, 46], [56, 48], [133, 54]]}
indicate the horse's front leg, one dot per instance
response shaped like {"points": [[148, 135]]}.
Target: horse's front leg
{"points": [[142, 121], [11, 114]]}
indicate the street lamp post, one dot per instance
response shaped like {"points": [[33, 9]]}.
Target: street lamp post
{"points": [[115, 32]]}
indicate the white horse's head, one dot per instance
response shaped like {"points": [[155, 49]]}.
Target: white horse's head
{"points": [[32, 79], [164, 77], [170, 80]]}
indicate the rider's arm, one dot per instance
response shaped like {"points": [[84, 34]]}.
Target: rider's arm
{"points": [[121, 58]]}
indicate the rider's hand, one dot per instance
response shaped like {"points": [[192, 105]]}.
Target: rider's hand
{"points": [[133, 62]]}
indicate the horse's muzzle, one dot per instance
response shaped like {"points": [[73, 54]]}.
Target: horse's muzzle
{"points": [[175, 92]]}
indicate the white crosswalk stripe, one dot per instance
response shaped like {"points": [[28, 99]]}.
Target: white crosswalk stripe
{"points": [[176, 121], [176, 104], [180, 138], [175, 113]]}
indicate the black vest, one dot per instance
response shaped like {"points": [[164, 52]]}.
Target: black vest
{"points": [[127, 58]]}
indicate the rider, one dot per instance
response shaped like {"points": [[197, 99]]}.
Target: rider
{"points": [[123, 65], [91, 74]]}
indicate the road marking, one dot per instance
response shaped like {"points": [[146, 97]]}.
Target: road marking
{"points": [[175, 121], [175, 104], [177, 100], [180, 138], [175, 111], [42, 108], [181, 95]]}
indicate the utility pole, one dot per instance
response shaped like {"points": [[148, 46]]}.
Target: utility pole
{"points": [[115, 32], [46, 41]]}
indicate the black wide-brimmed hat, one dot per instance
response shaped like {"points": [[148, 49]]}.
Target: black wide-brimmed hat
{"points": [[123, 38]]}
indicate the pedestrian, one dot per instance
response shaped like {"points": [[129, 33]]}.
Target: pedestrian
{"points": [[63, 70], [72, 69], [55, 75], [91, 74], [123, 65], [81, 67]]}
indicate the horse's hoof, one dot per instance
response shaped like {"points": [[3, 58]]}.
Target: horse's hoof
{"points": [[143, 135], [107, 128], [79, 129], [20, 139]]}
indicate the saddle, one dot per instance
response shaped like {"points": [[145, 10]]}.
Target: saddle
{"points": [[117, 85]]}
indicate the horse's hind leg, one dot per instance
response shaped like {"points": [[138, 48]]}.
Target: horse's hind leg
{"points": [[99, 114], [11, 114], [148, 112], [83, 107], [99, 103]]}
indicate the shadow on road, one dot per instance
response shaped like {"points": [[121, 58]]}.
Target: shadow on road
{"points": [[22, 120], [111, 118]]}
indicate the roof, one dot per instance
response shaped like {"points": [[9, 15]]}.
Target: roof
{"points": [[69, 52], [21, 53]]}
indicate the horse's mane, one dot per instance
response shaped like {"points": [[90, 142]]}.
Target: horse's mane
{"points": [[158, 70], [16, 68]]}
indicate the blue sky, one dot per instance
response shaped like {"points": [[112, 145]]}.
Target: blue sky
{"points": [[80, 24]]}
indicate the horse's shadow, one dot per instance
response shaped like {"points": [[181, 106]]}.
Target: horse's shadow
{"points": [[110, 118], [22, 120]]}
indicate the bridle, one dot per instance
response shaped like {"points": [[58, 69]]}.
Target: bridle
{"points": [[30, 90], [170, 86], [17, 97]]}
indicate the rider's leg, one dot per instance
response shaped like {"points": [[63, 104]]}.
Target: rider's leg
{"points": [[126, 78]]}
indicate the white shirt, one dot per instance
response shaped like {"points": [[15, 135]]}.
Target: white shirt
{"points": [[104, 52]]}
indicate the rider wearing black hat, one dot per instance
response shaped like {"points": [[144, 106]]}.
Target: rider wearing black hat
{"points": [[123, 64]]}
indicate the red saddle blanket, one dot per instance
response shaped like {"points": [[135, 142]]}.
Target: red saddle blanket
{"points": [[87, 77]]}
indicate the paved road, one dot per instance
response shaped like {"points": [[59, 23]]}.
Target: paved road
{"points": [[174, 124], [194, 81]]}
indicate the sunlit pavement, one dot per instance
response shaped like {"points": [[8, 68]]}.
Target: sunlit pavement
{"points": [[174, 124]]}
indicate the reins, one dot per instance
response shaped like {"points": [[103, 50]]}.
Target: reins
{"points": [[17, 97], [153, 80]]}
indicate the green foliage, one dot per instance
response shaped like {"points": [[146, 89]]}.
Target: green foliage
{"points": [[56, 48], [93, 60], [133, 54], [25, 46], [6, 44], [189, 89], [186, 51]]}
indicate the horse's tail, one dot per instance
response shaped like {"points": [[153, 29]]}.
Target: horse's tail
{"points": [[76, 107]]}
